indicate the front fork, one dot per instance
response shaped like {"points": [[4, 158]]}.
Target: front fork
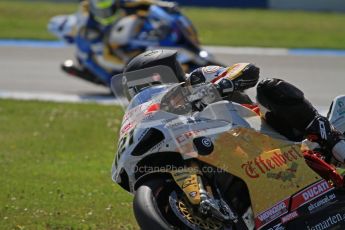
{"points": [[190, 180]]}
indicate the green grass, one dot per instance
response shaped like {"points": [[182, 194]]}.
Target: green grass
{"points": [[55, 162], [29, 20], [291, 29], [265, 28]]}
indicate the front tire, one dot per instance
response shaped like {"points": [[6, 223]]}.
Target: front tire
{"points": [[147, 200], [160, 204]]}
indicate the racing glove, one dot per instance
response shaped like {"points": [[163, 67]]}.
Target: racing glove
{"points": [[237, 77], [321, 131]]}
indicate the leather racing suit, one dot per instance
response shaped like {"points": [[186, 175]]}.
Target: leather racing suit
{"points": [[286, 108]]}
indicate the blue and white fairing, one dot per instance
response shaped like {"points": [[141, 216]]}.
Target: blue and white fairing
{"points": [[104, 50]]}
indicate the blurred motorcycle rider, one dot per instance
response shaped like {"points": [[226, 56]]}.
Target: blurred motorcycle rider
{"points": [[102, 51], [282, 104]]}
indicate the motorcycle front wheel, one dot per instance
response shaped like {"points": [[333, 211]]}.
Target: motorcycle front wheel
{"points": [[160, 204]]}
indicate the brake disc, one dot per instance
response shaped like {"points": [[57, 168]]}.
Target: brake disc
{"points": [[194, 220]]}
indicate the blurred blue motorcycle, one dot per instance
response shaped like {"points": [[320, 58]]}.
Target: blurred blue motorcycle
{"points": [[100, 55]]}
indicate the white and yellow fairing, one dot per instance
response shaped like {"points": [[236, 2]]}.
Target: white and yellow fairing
{"points": [[244, 145]]}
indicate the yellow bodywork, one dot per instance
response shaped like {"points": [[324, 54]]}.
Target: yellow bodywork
{"points": [[272, 169], [187, 180]]}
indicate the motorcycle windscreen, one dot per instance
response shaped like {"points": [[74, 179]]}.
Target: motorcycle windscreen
{"points": [[127, 85]]}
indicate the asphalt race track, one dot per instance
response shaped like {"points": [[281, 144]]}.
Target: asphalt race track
{"points": [[32, 69], [36, 69]]}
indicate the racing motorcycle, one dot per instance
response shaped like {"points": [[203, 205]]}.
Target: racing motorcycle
{"points": [[162, 28], [196, 161]]}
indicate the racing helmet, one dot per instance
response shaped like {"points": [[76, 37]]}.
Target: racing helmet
{"points": [[153, 58], [103, 10]]}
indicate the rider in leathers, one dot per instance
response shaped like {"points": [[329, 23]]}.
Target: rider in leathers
{"points": [[99, 49], [282, 105]]}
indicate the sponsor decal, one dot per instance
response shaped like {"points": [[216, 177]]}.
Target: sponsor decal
{"points": [[315, 191], [331, 221], [193, 194], [206, 142], [286, 175], [289, 217], [210, 69], [132, 118], [188, 182], [259, 166], [322, 130], [271, 214], [194, 120], [322, 202], [176, 122], [126, 128], [203, 145], [310, 193], [166, 121], [134, 112], [273, 211], [147, 117], [277, 227], [188, 135]]}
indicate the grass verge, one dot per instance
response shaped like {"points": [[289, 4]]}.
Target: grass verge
{"points": [[55, 162], [29, 20], [265, 28], [291, 29]]}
